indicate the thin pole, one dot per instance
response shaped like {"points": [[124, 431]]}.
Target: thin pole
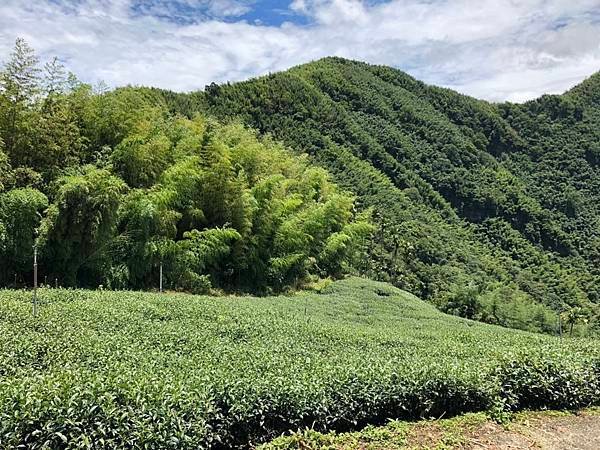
{"points": [[160, 288], [35, 280], [560, 326]]}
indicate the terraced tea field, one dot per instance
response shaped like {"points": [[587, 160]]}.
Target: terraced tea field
{"points": [[134, 370]]}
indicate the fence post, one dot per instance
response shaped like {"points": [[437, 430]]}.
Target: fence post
{"points": [[35, 280], [160, 286], [560, 333]]}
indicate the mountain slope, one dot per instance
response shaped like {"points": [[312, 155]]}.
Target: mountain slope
{"points": [[476, 203]]}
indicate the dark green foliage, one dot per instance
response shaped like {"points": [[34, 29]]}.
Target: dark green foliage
{"points": [[465, 193], [203, 252], [536, 382], [80, 224], [178, 371], [20, 216]]}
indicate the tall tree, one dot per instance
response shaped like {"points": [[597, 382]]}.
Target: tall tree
{"points": [[19, 86], [55, 78], [79, 227]]}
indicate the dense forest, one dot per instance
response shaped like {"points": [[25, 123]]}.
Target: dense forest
{"points": [[109, 185], [489, 211]]}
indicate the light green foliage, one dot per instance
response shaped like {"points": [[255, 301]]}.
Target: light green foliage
{"points": [[107, 118], [131, 186], [265, 214], [140, 159], [150, 371]]}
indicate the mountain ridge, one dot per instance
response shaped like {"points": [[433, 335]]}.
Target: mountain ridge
{"points": [[489, 211], [482, 169]]}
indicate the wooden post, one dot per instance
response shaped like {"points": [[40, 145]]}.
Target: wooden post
{"points": [[560, 325], [35, 280], [160, 286]]}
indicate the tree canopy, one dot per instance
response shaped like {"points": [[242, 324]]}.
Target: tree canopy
{"points": [[110, 184]]}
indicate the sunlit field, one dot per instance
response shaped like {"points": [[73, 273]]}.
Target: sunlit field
{"points": [[137, 370]]}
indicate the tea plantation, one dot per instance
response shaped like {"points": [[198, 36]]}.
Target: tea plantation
{"points": [[136, 370]]}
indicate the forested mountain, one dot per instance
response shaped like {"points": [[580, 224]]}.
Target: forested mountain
{"points": [[488, 210]]}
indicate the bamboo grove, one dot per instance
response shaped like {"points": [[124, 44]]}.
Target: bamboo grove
{"points": [[109, 185]]}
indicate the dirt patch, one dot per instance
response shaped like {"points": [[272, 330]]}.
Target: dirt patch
{"points": [[539, 432], [493, 436], [426, 435], [550, 430]]}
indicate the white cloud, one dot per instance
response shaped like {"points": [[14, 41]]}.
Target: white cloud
{"points": [[189, 11], [494, 49], [228, 8]]}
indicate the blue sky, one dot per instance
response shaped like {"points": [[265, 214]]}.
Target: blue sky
{"points": [[493, 49]]}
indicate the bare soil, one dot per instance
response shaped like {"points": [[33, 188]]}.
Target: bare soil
{"points": [[539, 432]]}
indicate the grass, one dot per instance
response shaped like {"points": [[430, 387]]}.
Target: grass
{"points": [[135, 370], [444, 434], [395, 435]]}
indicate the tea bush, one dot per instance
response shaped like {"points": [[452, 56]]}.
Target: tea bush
{"points": [[135, 370]]}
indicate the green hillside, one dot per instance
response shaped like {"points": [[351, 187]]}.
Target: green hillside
{"points": [[476, 204], [136, 370], [488, 211]]}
